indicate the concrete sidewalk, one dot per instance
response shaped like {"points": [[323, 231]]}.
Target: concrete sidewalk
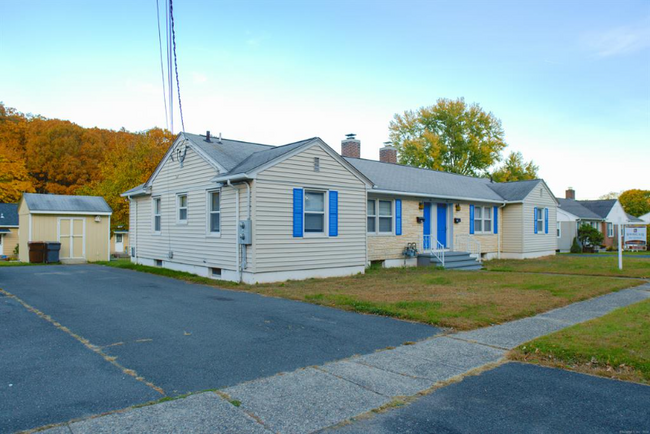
{"points": [[318, 397]]}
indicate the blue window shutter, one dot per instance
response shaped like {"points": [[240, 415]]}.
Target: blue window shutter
{"points": [[496, 219], [471, 219], [334, 213], [535, 219], [546, 220], [297, 212], [398, 217]]}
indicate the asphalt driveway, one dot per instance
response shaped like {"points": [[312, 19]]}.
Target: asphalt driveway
{"points": [[176, 336], [520, 398]]}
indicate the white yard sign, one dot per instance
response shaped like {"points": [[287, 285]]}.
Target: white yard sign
{"points": [[635, 234]]}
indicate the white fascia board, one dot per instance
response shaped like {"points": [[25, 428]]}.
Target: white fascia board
{"points": [[71, 212], [565, 216], [437, 196], [9, 226], [233, 178]]}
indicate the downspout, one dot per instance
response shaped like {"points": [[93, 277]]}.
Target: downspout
{"points": [[500, 232], [237, 249], [248, 217]]}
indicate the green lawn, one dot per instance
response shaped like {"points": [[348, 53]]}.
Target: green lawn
{"points": [[616, 345], [458, 299], [16, 264], [584, 265]]}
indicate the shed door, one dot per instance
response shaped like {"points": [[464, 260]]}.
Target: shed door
{"points": [[71, 237]]}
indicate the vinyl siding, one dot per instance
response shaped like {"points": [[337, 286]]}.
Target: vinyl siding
{"points": [[9, 242], [540, 242], [489, 242], [512, 235], [568, 233], [190, 242], [275, 247]]}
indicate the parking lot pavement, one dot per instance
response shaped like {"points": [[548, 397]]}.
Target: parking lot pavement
{"points": [[520, 398], [179, 336], [47, 376]]}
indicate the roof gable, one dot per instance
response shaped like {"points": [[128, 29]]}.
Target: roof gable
{"points": [[8, 214], [514, 191], [600, 207]]}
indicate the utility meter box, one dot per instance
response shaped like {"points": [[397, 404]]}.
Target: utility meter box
{"points": [[245, 232]]}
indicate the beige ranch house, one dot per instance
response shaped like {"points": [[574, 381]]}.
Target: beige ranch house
{"points": [[80, 223], [250, 212]]}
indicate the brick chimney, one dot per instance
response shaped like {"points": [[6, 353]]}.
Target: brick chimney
{"points": [[570, 193], [350, 146], [388, 154]]}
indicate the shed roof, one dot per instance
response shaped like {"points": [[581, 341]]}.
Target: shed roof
{"points": [[64, 203], [8, 214], [577, 209]]}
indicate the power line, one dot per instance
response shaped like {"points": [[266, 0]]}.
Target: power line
{"points": [[162, 69], [170, 86], [178, 85]]}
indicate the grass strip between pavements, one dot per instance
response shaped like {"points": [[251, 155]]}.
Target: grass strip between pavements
{"points": [[616, 345]]}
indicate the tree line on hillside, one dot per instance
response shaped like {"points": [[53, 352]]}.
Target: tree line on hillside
{"points": [[55, 156]]}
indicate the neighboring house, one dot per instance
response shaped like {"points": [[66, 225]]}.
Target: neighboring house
{"points": [[257, 213], [645, 218], [8, 229], [80, 223], [604, 215], [120, 242]]}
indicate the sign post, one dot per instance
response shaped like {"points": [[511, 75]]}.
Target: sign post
{"points": [[620, 247]]}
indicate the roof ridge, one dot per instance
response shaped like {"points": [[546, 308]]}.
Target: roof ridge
{"points": [[521, 180], [241, 163], [233, 140], [422, 168]]}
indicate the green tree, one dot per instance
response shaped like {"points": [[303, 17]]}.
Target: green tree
{"points": [[451, 135], [635, 201], [515, 168]]}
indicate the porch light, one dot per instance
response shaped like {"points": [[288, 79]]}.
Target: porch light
{"points": [[457, 207]]}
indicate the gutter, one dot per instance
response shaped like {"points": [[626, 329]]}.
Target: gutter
{"points": [[438, 196]]}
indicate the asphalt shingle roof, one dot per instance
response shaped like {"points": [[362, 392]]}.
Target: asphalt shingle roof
{"points": [[400, 178], [600, 207], [514, 191], [260, 158], [227, 153], [575, 207], [63, 203], [8, 214]]}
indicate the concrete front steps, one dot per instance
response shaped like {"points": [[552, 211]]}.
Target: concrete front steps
{"points": [[453, 261]]}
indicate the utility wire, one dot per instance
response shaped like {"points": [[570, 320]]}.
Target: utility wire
{"points": [[170, 86], [178, 85], [162, 68]]}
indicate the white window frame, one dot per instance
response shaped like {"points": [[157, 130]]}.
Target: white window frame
{"points": [[154, 215], [610, 230], [482, 219], [209, 212], [121, 238], [325, 194], [539, 221], [377, 216], [2, 248], [179, 208]]}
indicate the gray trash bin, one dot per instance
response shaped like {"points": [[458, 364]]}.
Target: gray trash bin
{"points": [[53, 249]]}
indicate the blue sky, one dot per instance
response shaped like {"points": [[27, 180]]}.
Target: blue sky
{"points": [[570, 80]]}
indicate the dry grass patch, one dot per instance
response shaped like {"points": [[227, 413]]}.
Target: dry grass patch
{"points": [[606, 265], [457, 299]]}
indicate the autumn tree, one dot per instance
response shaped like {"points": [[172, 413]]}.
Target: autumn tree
{"points": [[514, 168], [635, 202], [130, 160], [610, 195], [451, 135]]}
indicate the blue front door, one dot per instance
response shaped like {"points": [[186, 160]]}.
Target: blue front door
{"points": [[426, 226], [442, 224]]}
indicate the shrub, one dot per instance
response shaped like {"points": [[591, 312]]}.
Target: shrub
{"points": [[575, 247], [590, 236]]}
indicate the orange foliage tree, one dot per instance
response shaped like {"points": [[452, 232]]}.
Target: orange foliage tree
{"points": [[55, 156]]}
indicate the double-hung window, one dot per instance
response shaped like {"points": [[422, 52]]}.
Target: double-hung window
{"points": [[314, 212], [380, 216], [157, 214], [539, 220], [483, 219], [182, 208], [610, 230], [214, 213]]}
